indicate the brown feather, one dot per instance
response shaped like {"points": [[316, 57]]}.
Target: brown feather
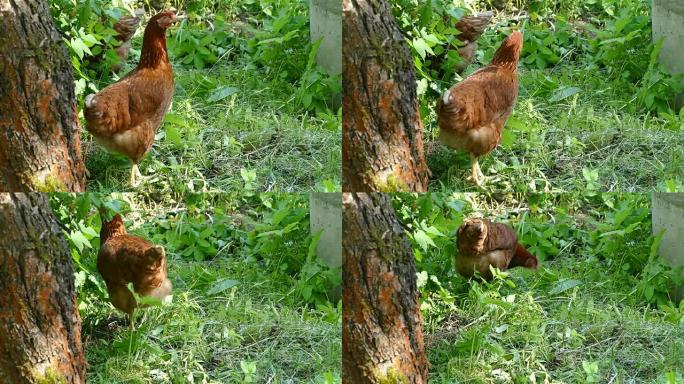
{"points": [[472, 27], [471, 114], [481, 244], [124, 259], [124, 116], [125, 27]]}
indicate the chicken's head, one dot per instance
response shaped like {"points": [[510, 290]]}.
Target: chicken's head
{"points": [[154, 257], [473, 229], [471, 236], [164, 19]]}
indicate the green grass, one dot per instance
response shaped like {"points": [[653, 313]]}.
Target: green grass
{"points": [[585, 314], [208, 337], [549, 336]]}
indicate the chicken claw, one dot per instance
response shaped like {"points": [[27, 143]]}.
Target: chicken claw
{"points": [[135, 175], [476, 173]]}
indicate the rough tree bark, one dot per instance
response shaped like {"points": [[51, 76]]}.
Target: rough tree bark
{"points": [[382, 337], [40, 145], [382, 136], [40, 331]]}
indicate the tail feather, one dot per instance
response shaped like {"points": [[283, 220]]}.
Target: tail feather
{"points": [[523, 258]]}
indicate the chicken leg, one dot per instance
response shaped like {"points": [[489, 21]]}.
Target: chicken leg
{"points": [[135, 175], [131, 320], [477, 176], [122, 299]]}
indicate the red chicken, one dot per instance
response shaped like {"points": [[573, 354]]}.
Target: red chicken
{"points": [[471, 28], [124, 116], [125, 28], [481, 244], [473, 112], [125, 259]]}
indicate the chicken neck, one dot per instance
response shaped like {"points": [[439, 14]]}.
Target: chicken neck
{"points": [[154, 48]]}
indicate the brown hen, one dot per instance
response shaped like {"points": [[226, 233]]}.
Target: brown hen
{"points": [[471, 28], [125, 28], [473, 112], [124, 116], [125, 259], [482, 244]]}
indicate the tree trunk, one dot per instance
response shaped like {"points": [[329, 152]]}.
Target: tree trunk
{"points": [[40, 145], [382, 137], [382, 336], [40, 328]]}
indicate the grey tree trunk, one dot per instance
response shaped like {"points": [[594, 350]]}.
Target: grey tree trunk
{"points": [[40, 328], [382, 133], [382, 334], [40, 145]]}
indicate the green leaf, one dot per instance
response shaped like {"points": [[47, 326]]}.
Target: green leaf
{"points": [[422, 47], [423, 239], [79, 240], [426, 13], [80, 48], [496, 302], [564, 285], [221, 286], [311, 254], [590, 175], [564, 93], [208, 38], [515, 123], [222, 93], [88, 38], [150, 301], [507, 138], [248, 176], [172, 134], [199, 62]]}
